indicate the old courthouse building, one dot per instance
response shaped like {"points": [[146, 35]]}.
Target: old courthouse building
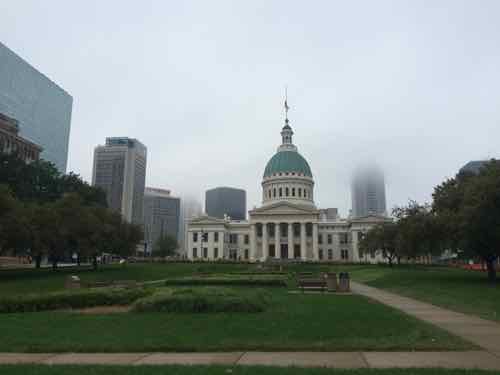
{"points": [[287, 225]]}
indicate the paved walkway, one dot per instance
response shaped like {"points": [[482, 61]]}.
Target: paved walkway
{"points": [[468, 359], [485, 334]]}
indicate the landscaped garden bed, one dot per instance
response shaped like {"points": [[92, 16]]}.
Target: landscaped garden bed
{"points": [[71, 299], [203, 300]]}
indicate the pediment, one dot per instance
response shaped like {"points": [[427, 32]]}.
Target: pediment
{"points": [[284, 208]]}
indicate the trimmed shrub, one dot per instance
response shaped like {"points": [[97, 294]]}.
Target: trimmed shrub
{"points": [[227, 281], [203, 300], [72, 299]]}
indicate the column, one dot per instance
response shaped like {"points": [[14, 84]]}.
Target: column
{"points": [[210, 245], [354, 246], [189, 244], [253, 242], [290, 240], [277, 241], [265, 246], [303, 243], [315, 242]]}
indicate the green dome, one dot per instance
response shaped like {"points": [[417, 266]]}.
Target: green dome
{"points": [[287, 162]]}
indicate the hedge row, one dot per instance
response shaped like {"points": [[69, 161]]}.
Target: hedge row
{"points": [[72, 299], [198, 281], [203, 300]]}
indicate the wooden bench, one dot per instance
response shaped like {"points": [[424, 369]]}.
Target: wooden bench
{"points": [[312, 284]]}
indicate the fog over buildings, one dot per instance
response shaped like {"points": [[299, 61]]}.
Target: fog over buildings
{"points": [[411, 85]]}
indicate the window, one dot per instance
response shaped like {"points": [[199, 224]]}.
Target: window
{"points": [[320, 238], [320, 254], [287, 192], [246, 253], [281, 192], [216, 237], [344, 254], [293, 192], [269, 193], [272, 251], [343, 238], [305, 193], [195, 237], [233, 238], [296, 251], [205, 252], [329, 239], [300, 192], [216, 252], [330, 254], [205, 236], [247, 239], [274, 192], [195, 252]]}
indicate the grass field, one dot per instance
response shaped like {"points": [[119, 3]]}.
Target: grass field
{"points": [[464, 291], [291, 322], [218, 370]]}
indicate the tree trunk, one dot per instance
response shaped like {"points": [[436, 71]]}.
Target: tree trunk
{"points": [[390, 262], [54, 263], [78, 260], [38, 260], [94, 262], [490, 266]]}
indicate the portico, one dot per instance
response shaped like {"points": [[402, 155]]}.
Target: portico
{"points": [[284, 230]]}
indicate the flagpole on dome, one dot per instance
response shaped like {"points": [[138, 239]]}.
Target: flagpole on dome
{"points": [[286, 104]]}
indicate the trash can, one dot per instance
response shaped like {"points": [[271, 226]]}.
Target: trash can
{"points": [[331, 281], [344, 282]]}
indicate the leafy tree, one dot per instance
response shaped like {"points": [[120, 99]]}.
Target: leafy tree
{"points": [[471, 203], [384, 238], [419, 230], [165, 246]]}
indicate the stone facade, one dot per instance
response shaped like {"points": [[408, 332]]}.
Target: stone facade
{"points": [[12, 143]]}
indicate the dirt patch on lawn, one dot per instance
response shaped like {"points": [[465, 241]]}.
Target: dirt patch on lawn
{"points": [[102, 310]]}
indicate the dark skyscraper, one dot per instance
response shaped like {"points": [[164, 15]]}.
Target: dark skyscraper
{"points": [[226, 201], [41, 107]]}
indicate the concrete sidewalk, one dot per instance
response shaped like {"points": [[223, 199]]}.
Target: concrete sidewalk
{"points": [[467, 360], [481, 332]]}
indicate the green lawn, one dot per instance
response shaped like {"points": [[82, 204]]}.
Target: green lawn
{"points": [[291, 322], [464, 291], [218, 370]]}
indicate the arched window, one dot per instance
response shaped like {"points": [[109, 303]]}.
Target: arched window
{"points": [[281, 192], [269, 193], [287, 191], [293, 192], [274, 192], [300, 192]]}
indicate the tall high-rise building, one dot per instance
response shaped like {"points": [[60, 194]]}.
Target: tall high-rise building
{"points": [[226, 201], [120, 169], [42, 108], [368, 192], [161, 216]]}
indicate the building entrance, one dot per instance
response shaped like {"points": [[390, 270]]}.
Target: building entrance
{"points": [[284, 251]]}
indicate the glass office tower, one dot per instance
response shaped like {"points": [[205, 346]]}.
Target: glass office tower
{"points": [[42, 108]]}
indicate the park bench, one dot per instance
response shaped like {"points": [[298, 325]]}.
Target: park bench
{"points": [[312, 284]]}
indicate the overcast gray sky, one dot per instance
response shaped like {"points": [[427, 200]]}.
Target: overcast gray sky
{"points": [[412, 85]]}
